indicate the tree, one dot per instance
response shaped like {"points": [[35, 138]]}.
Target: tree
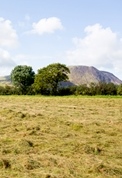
{"points": [[119, 89], [48, 79], [111, 89], [22, 77], [82, 90]]}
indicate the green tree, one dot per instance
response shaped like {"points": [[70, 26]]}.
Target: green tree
{"points": [[48, 79], [22, 77], [111, 89], [82, 90], [119, 89]]}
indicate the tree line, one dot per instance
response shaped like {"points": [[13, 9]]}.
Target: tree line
{"points": [[48, 81]]}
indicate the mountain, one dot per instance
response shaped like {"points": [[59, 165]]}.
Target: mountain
{"points": [[5, 80], [81, 75], [86, 75]]}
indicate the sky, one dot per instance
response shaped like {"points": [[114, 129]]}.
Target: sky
{"points": [[72, 32]]}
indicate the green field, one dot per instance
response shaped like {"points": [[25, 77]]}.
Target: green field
{"points": [[60, 137]]}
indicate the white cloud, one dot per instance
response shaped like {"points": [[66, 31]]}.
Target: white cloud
{"points": [[8, 36], [5, 58], [8, 39], [6, 62], [49, 25], [100, 47]]}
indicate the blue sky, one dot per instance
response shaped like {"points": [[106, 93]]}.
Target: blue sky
{"points": [[72, 32]]}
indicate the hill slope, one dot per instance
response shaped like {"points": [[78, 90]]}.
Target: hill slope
{"points": [[5, 80], [86, 75]]}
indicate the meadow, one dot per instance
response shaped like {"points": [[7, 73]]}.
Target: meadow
{"points": [[60, 137]]}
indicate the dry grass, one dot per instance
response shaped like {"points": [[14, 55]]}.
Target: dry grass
{"points": [[60, 137]]}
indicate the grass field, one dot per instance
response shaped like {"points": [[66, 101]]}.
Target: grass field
{"points": [[60, 137]]}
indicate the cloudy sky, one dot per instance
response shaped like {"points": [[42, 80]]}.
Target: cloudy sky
{"points": [[72, 32]]}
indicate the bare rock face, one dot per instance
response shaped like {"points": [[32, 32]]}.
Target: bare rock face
{"points": [[87, 75]]}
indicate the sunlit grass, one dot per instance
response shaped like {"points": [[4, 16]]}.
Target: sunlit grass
{"points": [[60, 137]]}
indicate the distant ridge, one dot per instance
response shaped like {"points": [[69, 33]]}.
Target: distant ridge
{"points": [[86, 75], [5, 80]]}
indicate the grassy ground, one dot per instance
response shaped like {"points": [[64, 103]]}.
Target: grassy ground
{"points": [[60, 137]]}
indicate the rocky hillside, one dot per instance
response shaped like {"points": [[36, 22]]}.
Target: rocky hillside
{"points": [[86, 75]]}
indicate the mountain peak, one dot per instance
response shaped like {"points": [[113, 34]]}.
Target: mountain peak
{"points": [[89, 74]]}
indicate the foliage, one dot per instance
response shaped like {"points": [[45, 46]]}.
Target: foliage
{"points": [[22, 77], [1, 90], [65, 91], [52, 80], [106, 89], [82, 90], [119, 90], [48, 79], [93, 89], [96, 89], [7, 90]]}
